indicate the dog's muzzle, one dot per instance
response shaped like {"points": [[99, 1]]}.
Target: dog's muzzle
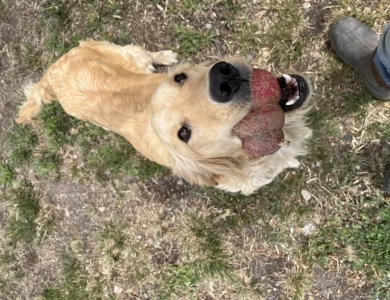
{"points": [[225, 82]]}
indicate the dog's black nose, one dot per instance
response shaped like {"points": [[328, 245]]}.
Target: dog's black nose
{"points": [[225, 81]]}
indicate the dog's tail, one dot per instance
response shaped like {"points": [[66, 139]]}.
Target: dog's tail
{"points": [[37, 95]]}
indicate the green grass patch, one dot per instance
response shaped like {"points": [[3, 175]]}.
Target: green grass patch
{"points": [[22, 225], [234, 205], [366, 231], [119, 157], [7, 173], [213, 262], [22, 141], [58, 16], [228, 10], [283, 35], [380, 131], [241, 210], [30, 57], [245, 36], [48, 164], [192, 40], [180, 280], [58, 125], [186, 6], [297, 283], [73, 283], [216, 260], [112, 240]]}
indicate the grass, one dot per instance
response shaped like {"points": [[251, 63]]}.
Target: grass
{"points": [[192, 40], [283, 36], [202, 242], [186, 6], [6, 173], [57, 125], [112, 160], [213, 262], [23, 224], [229, 9], [72, 284], [48, 164], [22, 141], [112, 240], [365, 232]]}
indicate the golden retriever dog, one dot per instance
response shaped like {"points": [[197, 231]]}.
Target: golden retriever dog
{"points": [[219, 123]]}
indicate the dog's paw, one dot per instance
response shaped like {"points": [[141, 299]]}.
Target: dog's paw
{"points": [[165, 57]]}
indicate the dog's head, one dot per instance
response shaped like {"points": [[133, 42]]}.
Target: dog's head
{"points": [[211, 116]]}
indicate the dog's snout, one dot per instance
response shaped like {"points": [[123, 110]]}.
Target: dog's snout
{"points": [[225, 81]]}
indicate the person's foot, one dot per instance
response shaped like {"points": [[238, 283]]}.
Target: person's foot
{"points": [[355, 44]]}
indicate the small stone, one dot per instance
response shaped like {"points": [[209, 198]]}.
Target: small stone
{"points": [[208, 26], [73, 131], [118, 290], [180, 182], [306, 5], [249, 57], [348, 137], [309, 229], [306, 195], [102, 209], [159, 7]]}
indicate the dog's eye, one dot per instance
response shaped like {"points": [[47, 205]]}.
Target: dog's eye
{"points": [[184, 133], [180, 78]]}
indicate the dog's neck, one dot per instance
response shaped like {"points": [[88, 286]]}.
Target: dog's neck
{"points": [[136, 126]]}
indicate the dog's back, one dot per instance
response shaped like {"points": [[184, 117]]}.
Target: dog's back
{"points": [[88, 68], [108, 85]]}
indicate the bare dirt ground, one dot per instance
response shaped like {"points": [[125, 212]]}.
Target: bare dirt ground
{"points": [[131, 233]]}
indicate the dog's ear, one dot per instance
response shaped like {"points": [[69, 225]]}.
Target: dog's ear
{"points": [[208, 172]]}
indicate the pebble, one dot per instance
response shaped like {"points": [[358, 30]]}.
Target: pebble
{"points": [[309, 229], [306, 195], [102, 209], [208, 26], [118, 290]]}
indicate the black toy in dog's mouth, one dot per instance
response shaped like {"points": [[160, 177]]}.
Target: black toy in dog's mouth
{"points": [[295, 91]]}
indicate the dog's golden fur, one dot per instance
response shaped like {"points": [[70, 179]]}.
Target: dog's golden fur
{"points": [[114, 87]]}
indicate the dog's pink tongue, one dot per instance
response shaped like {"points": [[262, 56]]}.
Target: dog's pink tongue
{"points": [[261, 130]]}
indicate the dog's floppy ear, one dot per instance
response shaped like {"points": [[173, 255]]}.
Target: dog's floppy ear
{"points": [[208, 172]]}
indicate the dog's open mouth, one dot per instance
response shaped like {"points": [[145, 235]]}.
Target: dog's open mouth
{"points": [[295, 91], [261, 130]]}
